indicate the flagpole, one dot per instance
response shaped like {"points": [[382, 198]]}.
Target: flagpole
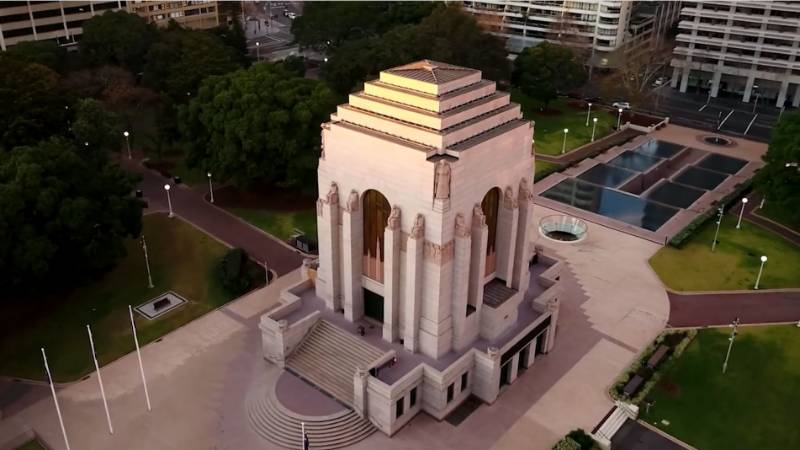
{"points": [[100, 380], [55, 400], [139, 356]]}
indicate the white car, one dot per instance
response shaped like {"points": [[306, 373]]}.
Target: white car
{"points": [[621, 105], [291, 15]]}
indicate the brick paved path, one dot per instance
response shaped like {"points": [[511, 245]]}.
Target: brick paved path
{"points": [[751, 215], [189, 203], [696, 310]]}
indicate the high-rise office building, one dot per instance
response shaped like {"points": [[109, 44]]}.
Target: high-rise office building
{"points": [[607, 29], [198, 14], [747, 49]]}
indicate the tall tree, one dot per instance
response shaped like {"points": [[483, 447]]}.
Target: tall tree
{"points": [[777, 181], [63, 216], [633, 78], [95, 126], [448, 35], [33, 105], [46, 53], [545, 70], [257, 125], [117, 38]]}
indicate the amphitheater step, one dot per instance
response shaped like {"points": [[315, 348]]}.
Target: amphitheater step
{"points": [[276, 424], [329, 358]]}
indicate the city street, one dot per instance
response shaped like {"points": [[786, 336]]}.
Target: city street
{"points": [[268, 30]]}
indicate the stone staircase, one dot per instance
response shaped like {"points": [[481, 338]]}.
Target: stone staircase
{"points": [[329, 358], [275, 423], [621, 412]]}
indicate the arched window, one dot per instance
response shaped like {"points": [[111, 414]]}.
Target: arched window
{"points": [[376, 213], [489, 205]]}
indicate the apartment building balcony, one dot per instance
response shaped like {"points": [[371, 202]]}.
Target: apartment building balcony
{"points": [[687, 26], [738, 44]]}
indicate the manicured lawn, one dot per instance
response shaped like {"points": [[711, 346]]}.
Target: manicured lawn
{"points": [[735, 263], [549, 129], [752, 406], [31, 445], [182, 259], [542, 166], [280, 224], [780, 215]]}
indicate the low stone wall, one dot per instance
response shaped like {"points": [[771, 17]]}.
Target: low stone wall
{"points": [[279, 338]]}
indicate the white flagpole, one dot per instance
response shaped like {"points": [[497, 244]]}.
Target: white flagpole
{"points": [[139, 355], [100, 380], [303, 436], [55, 400]]}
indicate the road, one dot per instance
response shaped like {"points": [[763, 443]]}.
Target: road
{"points": [[191, 205], [266, 35]]}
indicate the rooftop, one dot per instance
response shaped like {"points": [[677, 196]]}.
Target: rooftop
{"points": [[432, 71]]}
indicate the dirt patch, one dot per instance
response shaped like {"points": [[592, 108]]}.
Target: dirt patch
{"points": [[264, 197], [668, 386]]}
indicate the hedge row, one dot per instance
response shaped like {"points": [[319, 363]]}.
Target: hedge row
{"points": [[682, 236]]}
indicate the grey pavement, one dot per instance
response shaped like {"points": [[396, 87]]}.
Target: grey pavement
{"points": [[635, 436]]}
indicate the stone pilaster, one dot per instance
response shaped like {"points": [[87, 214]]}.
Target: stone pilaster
{"points": [[352, 246], [360, 392], [521, 272], [506, 236], [328, 283], [463, 245], [413, 302], [477, 262], [553, 306], [391, 276]]}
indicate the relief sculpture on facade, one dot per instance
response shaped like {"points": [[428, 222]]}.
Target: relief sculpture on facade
{"points": [[393, 222], [442, 180], [418, 230], [461, 226], [333, 195]]}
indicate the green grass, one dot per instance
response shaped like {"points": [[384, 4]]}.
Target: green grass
{"points": [[31, 445], [735, 263], [182, 259], [542, 166], [549, 129], [280, 224], [752, 406], [780, 215]]}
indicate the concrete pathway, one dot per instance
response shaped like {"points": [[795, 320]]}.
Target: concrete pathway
{"points": [[709, 309], [190, 204]]}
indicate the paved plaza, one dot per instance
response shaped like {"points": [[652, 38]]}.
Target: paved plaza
{"points": [[200, 374]]}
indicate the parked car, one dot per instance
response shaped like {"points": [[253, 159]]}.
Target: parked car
{"points": [[291, 15], [660, 81], [621, 105]]}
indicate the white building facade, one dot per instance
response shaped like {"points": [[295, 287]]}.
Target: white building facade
{"points": [[747, 49]]}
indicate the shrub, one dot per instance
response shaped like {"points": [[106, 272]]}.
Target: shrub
{"points": [[585, 441], [567, 444], [234, 272]]}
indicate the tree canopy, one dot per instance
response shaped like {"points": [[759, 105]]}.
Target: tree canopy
{"points": [[33, 105], [46, 53], [117, 38], [63, 215], [779, 183], [448, 35], [353, 20], [259, 124], [545, 70], [96, 126]]}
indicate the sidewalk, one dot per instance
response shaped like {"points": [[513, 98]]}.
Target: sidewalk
{"points": [[699, 310]]}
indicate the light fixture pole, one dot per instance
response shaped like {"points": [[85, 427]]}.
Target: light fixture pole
{"points": [[564, 144], [761, 205], [169, 200], [139, 357], [100, 380], [720, 212], [758, 93], [147, 263], [588, 112], [210, 187], [760, 270], [594, 127], [266, 273], [619, 118], [55, 399], [734, 325], [258, 51], [128, 143], [739, 223]]}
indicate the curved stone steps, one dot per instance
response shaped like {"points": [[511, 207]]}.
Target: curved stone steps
{"points": [[273, 422]]}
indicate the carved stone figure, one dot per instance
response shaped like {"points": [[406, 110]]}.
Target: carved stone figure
{"points": [[442, 180], [525, 194], [319, 207], [508, 198], [418, 230], [393, 223], [352, 202], [333, 194], [461, 226], [478, 218]]}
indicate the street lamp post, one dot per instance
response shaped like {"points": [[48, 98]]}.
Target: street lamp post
{"points": [[147, 263], [734, 325], [594, 127], [169, 200], [258, 51], [760, 271], [739, 223], [588, 112], [720, 212], [619, 117], [758, 93], [708, 100], [564, 143], [210, 187], [128, 143]]}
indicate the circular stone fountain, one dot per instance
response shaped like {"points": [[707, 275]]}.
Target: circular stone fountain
{"points": [[561, 228], [717, 140]]}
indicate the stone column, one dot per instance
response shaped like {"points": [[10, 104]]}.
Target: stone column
{"points": [[463, 244], [796, 99], [514, 369], [685, 75], [328, 284], [360, 392], [506, 238], [673, 82], [532, 351], [391, 276], [748, 88], [477, 261], [413, 304], [352, 246], [715, 82], [521, 257], [782, 93], [553, 306]]}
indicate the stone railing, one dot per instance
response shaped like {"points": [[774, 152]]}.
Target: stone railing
{"points": [[279, 338]]}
